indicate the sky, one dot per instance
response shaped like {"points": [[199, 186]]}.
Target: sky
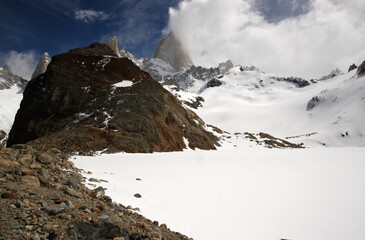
{"points": [[305, 38]]}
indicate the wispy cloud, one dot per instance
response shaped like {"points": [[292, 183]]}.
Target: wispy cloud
{"points": [[325, 35], [89, 15], [20, 63]]}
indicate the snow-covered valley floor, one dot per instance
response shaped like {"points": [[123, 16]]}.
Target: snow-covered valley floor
{"points": [[243, 193]]}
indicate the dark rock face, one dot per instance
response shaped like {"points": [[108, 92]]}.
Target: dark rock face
{"points": [[361, 68], [315, 101], [75, 106], [352, 67], [213, 83], [298, 82]]}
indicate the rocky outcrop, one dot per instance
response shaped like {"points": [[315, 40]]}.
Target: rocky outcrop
{"points": [[42, 65], [332, 74], [91, 100], [225, 66], [130, 56], [42, 196], [352, 67], [157, 68], [298, 82], [8, 79], [251, 68], [113, 44], [361, 69], [3, 138], [171, 50]]}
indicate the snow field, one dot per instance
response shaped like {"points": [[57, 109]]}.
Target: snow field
{"points": [[244, 193]]}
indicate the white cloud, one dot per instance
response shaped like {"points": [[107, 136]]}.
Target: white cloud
{"points": [[89, 15], [22, 64], [329, 35]]}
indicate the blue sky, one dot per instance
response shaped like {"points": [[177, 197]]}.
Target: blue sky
{"points": [[53, 26], [306, 38]]}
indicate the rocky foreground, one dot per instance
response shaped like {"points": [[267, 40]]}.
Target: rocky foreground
{"points": [[43, 197]]}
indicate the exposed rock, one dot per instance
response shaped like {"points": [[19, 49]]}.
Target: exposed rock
{"points": [[46, 212], [113, 44], [8, 79], [298, 82], [269, 141], [130, 56], [251, 68], [316, 100], [361, 69], [137, 195], [332, 74], [352, 67], [213, 83], [157, 68], [31, 180], [3, 138], [225, 66], [75, 106], [171, 50], [196, 77], [42, 65]]}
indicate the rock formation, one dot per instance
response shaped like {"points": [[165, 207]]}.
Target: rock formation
{"points": [[170, 50], [361, 69], [90, 100], [42, 65], [225, 66], [130, 56], [332, 74], [113, 44], [352, 67], [42, 196], [8, 79]]}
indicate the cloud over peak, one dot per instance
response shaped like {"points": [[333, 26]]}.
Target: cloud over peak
{"points": [[309, 43], [89, 15], [20, 63]]}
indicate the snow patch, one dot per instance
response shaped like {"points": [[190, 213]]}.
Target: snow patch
{"points": [[124, 83]]}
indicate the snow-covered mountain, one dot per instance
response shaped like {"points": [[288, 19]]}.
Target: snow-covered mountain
{"points": [[11, 93]]}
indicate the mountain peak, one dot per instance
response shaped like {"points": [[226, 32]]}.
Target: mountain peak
{"points": [[171, 50], [42, 65], [113, 44], [90, 100]]}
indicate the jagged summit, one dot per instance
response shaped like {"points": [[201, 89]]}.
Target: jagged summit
{"points": [[361, 68], [113, 44], [335, 72], [90, 100], [8, 79], [225, 66], [170, 50], [130, 56], [42, 65]]}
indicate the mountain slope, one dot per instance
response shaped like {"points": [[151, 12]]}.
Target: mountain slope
{"points": [[257, 102], [91, 100]]}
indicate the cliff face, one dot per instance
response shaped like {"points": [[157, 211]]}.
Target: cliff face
{"points": [[42, 65], [91, 100], [170, 50]]}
